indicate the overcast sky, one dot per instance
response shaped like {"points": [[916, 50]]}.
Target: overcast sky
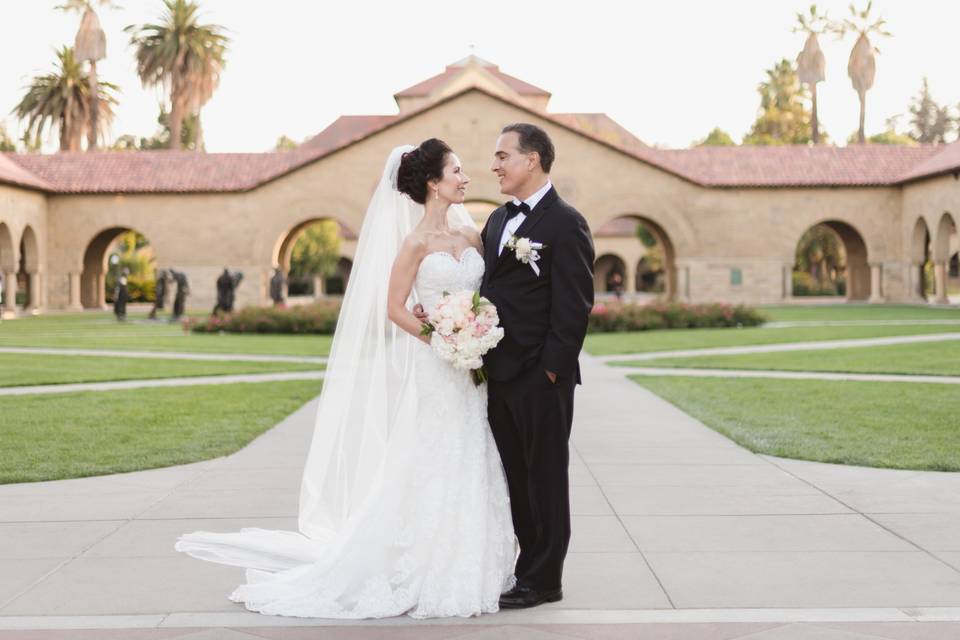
{"points": [[669, 70]]}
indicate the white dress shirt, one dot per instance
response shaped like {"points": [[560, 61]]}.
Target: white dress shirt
{"points": [[514, 223]]}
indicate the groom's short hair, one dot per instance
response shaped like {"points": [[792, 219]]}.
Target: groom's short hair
{"points": [[533, 138]]}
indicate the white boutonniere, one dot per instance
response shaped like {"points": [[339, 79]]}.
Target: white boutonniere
{"points": [[526, 251]]}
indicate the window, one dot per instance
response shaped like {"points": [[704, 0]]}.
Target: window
{"points": [[736, 277]]}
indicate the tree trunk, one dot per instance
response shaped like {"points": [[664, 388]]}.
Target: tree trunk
{"points": [[861, 138], [176, 123], [815, 121], [198, 135], [94, 107]]}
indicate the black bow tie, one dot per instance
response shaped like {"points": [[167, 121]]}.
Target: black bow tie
{"points": [[514, 209]]}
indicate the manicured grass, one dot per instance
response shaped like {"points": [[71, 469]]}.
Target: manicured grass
{"points": [[670, 339], [102, 331], [874, 424], [924, 358], [29, 369], [49, 437], [853, 311]]}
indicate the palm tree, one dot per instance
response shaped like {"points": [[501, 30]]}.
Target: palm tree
{"points": [[184, 57], [811, 64], [61, 100], [862, 65], [89, 45]]}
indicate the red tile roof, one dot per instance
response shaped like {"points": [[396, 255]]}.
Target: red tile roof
{"points": [[745, 166]]}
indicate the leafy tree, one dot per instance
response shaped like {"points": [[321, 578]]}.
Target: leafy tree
{"points": [[811, 63], [784, 117], [90, 45], [820, 254], [133, 252], [716, 138], [6, 143], [317, 250], [184, 57], [60, 100], [862, 64], [929, 121], [285, 143]]}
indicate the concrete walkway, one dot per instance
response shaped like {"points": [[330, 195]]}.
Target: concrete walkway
{"points": [[788, 375], [677, 533], [160, 382], [784, 346], [163, 355]]}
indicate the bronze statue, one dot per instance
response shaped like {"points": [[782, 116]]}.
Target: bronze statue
{"points": [[277, 282]]}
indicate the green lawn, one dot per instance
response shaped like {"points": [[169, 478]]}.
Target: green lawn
{"points": [[102, 331], [30, 369], [875, 424], [49, 437], [924, 358], [669, 339], [810, 313]]}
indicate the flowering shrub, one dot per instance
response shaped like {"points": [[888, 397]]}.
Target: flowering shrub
{"points": [[634, 317], [315, 318]]}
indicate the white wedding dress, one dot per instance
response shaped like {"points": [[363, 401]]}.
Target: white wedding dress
{"points": [[435, 539]]}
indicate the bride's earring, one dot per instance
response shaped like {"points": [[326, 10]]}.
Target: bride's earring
{"points": [[436, 194]]}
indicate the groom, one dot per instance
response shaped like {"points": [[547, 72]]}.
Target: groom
{"points": [[543, 297]]}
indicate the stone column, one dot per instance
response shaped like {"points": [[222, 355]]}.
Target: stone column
{"points": [[34, 303], [9, 292], [630, 278], [75, 304], [876, 283], [940, 277], [318, 292], [787, 278], [101, 292]]}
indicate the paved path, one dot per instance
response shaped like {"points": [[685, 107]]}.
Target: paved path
{"points": [[786, 346], [163, 355], [787, 375], [677, 533], [856, 323], [160, 382]]}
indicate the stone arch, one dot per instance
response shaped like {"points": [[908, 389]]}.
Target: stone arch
{"points": [[618, 235], [93, 276], [480, 210], [919, 256], [28, 272], [942, 252], [283, 251], [856, 268], [604, 269]]}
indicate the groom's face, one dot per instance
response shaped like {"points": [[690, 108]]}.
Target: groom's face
{"points": [[510, 164]]}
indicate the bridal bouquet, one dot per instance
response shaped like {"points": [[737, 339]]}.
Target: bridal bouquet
{"points": [[462, 327]]}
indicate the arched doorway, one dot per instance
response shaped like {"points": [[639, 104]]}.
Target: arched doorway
{"points": [[311, 256], [28, 274], [945, 246], [8, 271], [647, 251], [480, 210], [831, 260], [609, 274], [107, 254]]}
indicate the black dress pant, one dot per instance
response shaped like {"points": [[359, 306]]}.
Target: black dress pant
{"points": [[531, 419]]}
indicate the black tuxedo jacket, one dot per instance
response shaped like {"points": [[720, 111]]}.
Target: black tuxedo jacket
{"points": [[544, 317]]}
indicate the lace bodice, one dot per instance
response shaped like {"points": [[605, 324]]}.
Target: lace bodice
{"points": [[441, 272]]}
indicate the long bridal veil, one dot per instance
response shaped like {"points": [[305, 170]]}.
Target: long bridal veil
{"points": [[366, 423]]}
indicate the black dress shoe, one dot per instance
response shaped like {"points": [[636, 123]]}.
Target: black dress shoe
{"points": [[525, 597]]}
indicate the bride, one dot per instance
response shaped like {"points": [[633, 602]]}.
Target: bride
{"points": [[403, 502]]}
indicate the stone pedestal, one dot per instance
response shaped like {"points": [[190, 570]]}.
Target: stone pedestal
{"points": [[940, 277]]}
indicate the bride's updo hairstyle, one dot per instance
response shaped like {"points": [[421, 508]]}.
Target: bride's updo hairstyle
{"points": [[419, 166]]}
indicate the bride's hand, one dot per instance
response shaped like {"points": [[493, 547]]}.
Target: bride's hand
{"points": [[420, 314]]}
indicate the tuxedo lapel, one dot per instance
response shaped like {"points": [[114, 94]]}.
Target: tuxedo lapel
{"points": [[492, 241]]}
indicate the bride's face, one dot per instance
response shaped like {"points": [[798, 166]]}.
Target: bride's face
{"points": [[453, 186]]}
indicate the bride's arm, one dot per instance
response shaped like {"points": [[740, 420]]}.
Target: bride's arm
{"points": [[402, 275]]}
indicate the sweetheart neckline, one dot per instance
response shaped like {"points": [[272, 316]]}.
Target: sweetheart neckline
{"points": [[460, 259]]}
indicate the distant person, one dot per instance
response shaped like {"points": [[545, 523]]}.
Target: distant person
{"points": [[277, 282], [160, 295], [180, 297], [615, 284], [121, 295]]}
